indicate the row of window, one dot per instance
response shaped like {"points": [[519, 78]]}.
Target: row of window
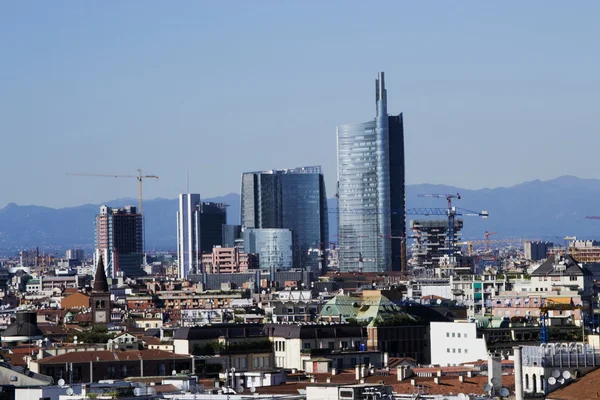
{"points": [[459, 351], [464, 335]]}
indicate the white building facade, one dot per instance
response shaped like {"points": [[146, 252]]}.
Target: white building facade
{"points": [[188, 234], [453, 343]]}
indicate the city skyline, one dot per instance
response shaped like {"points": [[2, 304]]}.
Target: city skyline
{"points": [[146, 86]]}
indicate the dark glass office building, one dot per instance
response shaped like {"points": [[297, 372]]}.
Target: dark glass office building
{"points": [[293, 199], [371, 189], [212, 218]]}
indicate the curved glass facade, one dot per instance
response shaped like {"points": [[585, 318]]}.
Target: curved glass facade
{"points": [[273, 246], [293, 199], [371, 211]]}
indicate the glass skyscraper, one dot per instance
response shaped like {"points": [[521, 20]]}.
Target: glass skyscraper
{"points": [[371, 190], [188, 234], [293, 199]]}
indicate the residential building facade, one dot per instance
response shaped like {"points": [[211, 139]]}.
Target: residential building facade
{"points": [[119, 241]]}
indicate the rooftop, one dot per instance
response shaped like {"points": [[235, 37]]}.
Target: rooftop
{"points": [[585, 388], [111, 356]]}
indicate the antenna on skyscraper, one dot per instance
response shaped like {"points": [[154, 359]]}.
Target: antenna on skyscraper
{"points": [[188, 180]]}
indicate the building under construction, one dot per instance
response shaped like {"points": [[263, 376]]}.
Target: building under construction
{"points": [[431, 247], [585, 251]]}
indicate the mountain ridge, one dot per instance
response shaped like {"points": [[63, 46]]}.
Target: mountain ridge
{"points": [[547, 210]]}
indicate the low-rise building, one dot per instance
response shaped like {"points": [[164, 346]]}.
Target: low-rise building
{"points": [[453, 343], [301, 345], [92, 366], [228, 260]]}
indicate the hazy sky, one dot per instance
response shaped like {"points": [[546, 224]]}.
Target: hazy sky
{"points": [[493, 93]]}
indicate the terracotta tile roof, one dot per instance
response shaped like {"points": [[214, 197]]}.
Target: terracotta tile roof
{"points": [[433, 370], [151, 340], [53, 329], [110, 356], [395, 361], [447, 385], [166, 389], [587, 387]]}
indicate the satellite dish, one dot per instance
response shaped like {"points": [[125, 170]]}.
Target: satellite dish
{"points": [[69, 392], [461, 396], [61, 382], [487, 387], [439, 301], [495, 381], [552, 381], [561, 380], [504, 392], [566, 374], [252, 389], [555, 373]]}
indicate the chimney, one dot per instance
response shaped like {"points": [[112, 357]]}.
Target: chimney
{"points": [[363, 370], [357, 372], [518, 373], [461, 378], [403, 372], [439, 372], [328, 380], [469, 374], [333, 371], [312, 379], [362, 380], [495, 372], [413, 382], [386, 359], [436, 380]]}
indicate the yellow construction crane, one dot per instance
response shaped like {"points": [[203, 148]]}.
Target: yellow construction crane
{"points": [[139, 178]]}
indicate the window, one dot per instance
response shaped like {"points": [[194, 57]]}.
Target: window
{"points": [[458, 334], [454, 350], [447, 334], [459, 350], [453, 334], [465, 335], [466, 351], [330, 345], [448, 350], [306, 345], [573, 278]]}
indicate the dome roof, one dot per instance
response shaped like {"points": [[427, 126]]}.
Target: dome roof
{"points": [[23, 329]]}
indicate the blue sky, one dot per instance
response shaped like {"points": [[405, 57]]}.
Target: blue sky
{"points": [[493, 93]]}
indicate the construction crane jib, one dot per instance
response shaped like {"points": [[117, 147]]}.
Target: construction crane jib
{"points": [[140, 178]]}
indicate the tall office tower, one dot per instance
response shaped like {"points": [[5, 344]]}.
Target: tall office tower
{"points": [[119, 240], [292, 199], [75, 254], [371, 191], [188, 234], [212, 218], [232, 234]]}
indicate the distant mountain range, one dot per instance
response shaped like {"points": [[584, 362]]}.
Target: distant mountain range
{"points": [[547, 210]]}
